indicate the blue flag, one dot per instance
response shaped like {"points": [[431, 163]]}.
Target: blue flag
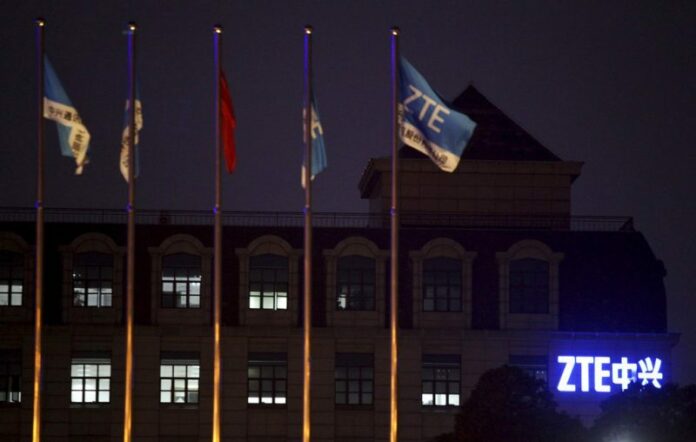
{"points": [[318, 150], [427, 124], [125, 140], [72, 133]]}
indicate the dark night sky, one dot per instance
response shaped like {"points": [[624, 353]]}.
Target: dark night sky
{"points": [[612, 84]]}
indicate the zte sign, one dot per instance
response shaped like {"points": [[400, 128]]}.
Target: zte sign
{"points": [[601, 374]]}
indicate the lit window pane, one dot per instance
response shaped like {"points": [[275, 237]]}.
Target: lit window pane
{"points": [[180, 371], [165, 397], [254, 302], [193, 371], [282, 302], [268, 301], [427, 399], [453, 399], [76, 396], [104, 396], [166, 371], [90, 396]]}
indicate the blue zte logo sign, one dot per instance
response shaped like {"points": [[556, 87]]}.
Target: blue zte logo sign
{"points": [[600, 373]]}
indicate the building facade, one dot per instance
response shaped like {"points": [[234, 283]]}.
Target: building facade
{"points": [[494, 270]]}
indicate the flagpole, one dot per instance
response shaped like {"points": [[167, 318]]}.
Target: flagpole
{"points": [[130, 263], [306, 391], [217, 272], [394, 298], [38, 288]]}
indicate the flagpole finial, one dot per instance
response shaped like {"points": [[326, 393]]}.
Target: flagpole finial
{"points": [[217, 29], [40, 22], [395, 30], [308, 29], [132, 27]]}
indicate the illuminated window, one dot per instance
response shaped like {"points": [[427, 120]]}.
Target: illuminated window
{"points": [[441, 380], [534, 366], [181, 281], [179, 380], [267, 376], [529, 286], [354, 378], [11, 278], [91, 380], [268, 282], [92, 279], [442, 285], [10, 377], [356, 283]]}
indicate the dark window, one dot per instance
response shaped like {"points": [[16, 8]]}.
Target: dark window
{"points": [[11, 278], [535, 366], [267, 378], [93, 279], [179, 380], [91, 380], [441, 380], [181, 281], [442, 285], [529, 286], [268, 282], [10, 376], [354, 378], [356, 283]]}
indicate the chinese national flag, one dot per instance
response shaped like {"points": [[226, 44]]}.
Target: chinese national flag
{"points": [[228, 122]]}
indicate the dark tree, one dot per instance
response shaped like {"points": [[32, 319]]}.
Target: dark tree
{"points": [[509, 405], [646, 414]]}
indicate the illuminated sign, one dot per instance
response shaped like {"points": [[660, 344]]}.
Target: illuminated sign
{"points": [[600, 374]]}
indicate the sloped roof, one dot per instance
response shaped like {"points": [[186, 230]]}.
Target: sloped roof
{"points": [[497, 137]]}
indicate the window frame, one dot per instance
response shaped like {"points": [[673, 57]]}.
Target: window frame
{"points": [[168, 367], [11, 280], [275, 364], [101, 376], [193, 274], [89, 282], [11, 377], [261, 283], [433, 363], [448, 286], [369, 268], [346, 366]]}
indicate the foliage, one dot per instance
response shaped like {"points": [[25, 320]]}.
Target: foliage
{"points": [[509, 405], [645, 414]]}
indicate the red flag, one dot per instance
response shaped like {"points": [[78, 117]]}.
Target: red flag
{"points": [[228, 122]]}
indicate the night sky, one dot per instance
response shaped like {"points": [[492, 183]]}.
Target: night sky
{"points": [[612, 84]]}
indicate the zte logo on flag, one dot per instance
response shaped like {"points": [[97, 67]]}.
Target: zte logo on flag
{"points": [[600, 373], [428, 106]]}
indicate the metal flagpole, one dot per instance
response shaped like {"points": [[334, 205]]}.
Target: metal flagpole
{"points": [[306, 391], [130, 264], [217, 273], [38, 288], [394, 298]]}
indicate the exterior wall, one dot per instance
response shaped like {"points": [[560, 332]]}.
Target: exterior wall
{"points": [[481, 334], [479, 350], [510, 188]]}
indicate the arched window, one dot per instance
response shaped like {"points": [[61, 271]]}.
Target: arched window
{"points": [[356, 283], [529, 286], [11, 278], [181, 281], [92, 279], [442, 285], [268, 282]]}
